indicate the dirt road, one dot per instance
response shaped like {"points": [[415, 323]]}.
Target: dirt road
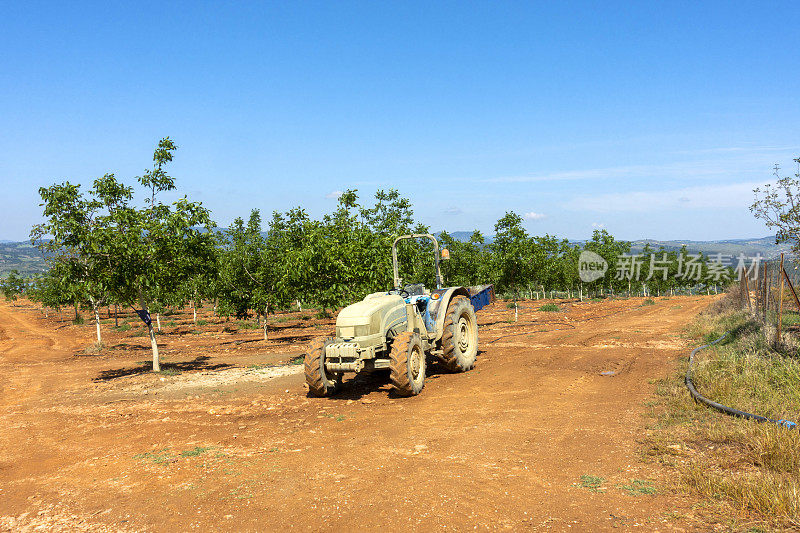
{"points": [[94, 443]]}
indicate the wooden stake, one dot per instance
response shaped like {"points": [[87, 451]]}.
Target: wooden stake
{"points": [[766, 292], [780, 303], [741, 288], [747, 290]]}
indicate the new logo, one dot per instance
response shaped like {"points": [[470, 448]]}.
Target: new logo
{"points": [[591, 266]]}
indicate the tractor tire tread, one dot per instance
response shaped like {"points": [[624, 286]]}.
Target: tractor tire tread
{"points": [[398, 364], [449, 356], [312, 365]]}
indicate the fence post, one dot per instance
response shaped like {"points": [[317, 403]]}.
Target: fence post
{"points": [[780, 303], [766, 292], [741, 288], [747, 290]]}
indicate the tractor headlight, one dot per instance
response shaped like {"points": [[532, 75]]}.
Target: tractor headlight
{"points": [[362, 331], [349, 332]]}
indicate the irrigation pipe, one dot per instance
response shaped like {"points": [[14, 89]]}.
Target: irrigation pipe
{"points": [[718, 406]]}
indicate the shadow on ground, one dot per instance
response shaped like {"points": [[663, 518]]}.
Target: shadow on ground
{"points": [[198, 363], [366, 382]]}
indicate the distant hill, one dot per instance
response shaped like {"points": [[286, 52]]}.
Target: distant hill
{"points": [[22, 256], [749, 247], [464, 236], [26, 258]]}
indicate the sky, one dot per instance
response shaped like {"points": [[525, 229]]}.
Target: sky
{"points": [[652, 120]]}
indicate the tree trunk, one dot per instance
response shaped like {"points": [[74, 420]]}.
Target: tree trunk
{"points": [[116, 316], [154, 346], [299, 306], [153, 343], [96, 308], [194, 310], [158, 321], [266, 313]]}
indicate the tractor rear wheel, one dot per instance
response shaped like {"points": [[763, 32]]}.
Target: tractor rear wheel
{"points": [[407, 364], [320, 382], [460, 335]]}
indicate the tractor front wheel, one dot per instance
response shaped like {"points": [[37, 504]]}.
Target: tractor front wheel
{"points": [[407, 364], [320, 382], [460, 335]]}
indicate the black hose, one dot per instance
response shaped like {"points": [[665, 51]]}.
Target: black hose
{"points": [[724, 408]]}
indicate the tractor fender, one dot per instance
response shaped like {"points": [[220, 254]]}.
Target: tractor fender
{"points": [[438, 306]]}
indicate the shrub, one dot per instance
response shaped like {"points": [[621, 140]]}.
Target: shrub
{"points": [[550, 308]]}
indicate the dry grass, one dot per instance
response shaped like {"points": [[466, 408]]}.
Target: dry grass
{"points": [[748, 473]]}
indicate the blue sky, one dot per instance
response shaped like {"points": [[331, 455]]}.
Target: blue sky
{"points": [[649, 119]]}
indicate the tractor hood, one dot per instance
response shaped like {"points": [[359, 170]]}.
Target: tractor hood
{"points": [[369, 316], [360, 313]]}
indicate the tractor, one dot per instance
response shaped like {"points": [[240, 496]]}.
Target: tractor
{"points": [[399, 330]]}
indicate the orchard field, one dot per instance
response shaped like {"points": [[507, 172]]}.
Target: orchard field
{"points": [[544, 434]]}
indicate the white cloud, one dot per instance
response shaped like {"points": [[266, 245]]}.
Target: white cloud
{"points": [[684, 171], [333, 195], [533, 216], [598, 225], [452, 211], [717, 162], [735, 195]]}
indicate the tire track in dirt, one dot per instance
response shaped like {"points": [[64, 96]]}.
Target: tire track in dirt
{"points": [[26, 345]]}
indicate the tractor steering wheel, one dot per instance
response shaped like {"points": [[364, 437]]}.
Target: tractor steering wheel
{"points": [[402, 292]]}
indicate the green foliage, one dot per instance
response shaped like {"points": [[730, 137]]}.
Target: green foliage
{"points": [[638, 487], [592, 483], [102, 246], [511, 250], [12, 286], [197, 450], [550, 308], [160, 457], [648, 301], [105, 248]]}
